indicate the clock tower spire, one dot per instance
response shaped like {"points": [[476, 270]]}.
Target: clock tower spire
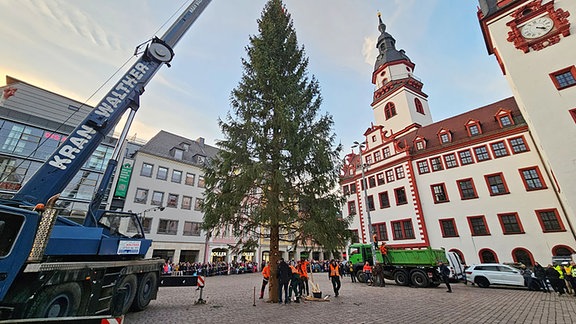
{"points": [[398, 103]]}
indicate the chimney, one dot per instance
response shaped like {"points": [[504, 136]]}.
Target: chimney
{"points": [[200, 141]]}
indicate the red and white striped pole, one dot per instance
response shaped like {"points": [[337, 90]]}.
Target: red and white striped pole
{"points": [[200, 284]]}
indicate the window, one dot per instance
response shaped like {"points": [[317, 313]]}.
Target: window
{"points": [[346, 190], [372, 181], [550, 220], [423, 167], [444, 138], [168, 226], [192, 229], [200, 181], [518, 145], [389, 176], [478, 226], [505, 121], [436, 164], [510, 223], [162, 173], [467, 189], [386, 151], [465, 157], [488, 256], [351, 208], [380, 178], [373, 138], [199, 204], [147, 224], [496, 184], [389, 110], [419, 107], [190, 178], [352, 188], [157, 198], [371, 203], [532, 178], [380, 230], [354, 238], [473, 128], [481, 153], [403, 229], [564, 78], [141, 196], [176, 176], [573, 114], [172, 201], [186, 202], [369, 159], [384, 200], [450, 160], [420, 145], [499, 149], [448, 227], [178, 153], [400, 194], [399, 172], [439, 193], [146, 170], [377, 156]]}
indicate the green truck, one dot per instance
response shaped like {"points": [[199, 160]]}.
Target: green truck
{"points": [[406, 267]]}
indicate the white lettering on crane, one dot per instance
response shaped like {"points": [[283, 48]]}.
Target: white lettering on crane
{"points": [[68, 152]]}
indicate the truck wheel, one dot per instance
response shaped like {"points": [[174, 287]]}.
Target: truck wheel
{"points": [[57, 301], [361, 276], [419, 279], [401, 278], [482, 282], [146, 290], [129, 284]]}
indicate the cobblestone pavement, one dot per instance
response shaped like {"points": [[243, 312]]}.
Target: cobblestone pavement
{"points": [[231, 298]]}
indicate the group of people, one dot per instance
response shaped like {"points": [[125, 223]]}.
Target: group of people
{"points": [[293, 279], [209, 268], [562, 278]]}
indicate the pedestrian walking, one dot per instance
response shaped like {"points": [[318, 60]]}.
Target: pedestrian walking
{"points": [[265, 278], [351, 270], [334, 276], [445, 274], [284, 275]]}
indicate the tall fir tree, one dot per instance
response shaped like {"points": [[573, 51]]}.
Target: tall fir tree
{"points": [[277, 173]]}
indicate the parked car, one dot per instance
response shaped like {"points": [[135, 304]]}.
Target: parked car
{"points": [[486, 274]]}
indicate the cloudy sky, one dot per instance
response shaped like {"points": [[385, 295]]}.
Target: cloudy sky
{"points": [[73, 47]]}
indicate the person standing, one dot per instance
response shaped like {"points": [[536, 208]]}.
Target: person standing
{"points": [[527, 274], [568, 267], [384, 252], [351, 270], [303, 271], [294, 284], [445, 274], [284, 275], [555, 280], [367, 269], [265, 278], [334, 276], [540, 274]]}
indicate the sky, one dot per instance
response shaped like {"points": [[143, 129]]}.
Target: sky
{"points": [[73, 47]]}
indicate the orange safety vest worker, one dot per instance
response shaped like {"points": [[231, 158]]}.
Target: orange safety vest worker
{"points": [[383, 249], [367, 268], [266, 272], [334, 270], [303, 269]]}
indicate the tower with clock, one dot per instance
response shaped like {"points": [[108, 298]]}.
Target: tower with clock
{"points": [[533, 41]]}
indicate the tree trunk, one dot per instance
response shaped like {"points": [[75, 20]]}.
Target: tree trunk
{"points": [[274, 258]]}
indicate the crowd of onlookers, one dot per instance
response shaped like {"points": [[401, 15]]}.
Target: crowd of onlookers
{"points": [[208, 269]]}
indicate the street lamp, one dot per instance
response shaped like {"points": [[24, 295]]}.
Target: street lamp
{"points": [[143, 213], [360, 147]]}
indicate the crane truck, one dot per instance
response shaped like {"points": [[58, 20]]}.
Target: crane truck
{"points": [[51, 266], [416, 267]]}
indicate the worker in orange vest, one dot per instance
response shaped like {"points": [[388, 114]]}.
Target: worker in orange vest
{"points": [[303, 271], [265, 278], [384, 252], [334, 275]]}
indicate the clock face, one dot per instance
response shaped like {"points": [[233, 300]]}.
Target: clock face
{"points": [[537, 27]]}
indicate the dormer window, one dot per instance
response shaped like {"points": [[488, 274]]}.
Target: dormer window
{"points": [[186, 146], [201, 159], [445, 136], [420, 143], [504, 118], [390, 110], [473, 128], [178, 154]]}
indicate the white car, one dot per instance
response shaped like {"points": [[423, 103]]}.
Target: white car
{"points": [[486, 274]]}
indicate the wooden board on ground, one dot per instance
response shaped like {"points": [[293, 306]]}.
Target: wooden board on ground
{"points": [[310, 298]]}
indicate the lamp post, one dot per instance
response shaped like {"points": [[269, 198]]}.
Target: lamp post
{"points": [[143, 213], [360, 147]]}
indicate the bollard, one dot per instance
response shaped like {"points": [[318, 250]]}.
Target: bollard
{"points": [[254, 303], [201, 287]]}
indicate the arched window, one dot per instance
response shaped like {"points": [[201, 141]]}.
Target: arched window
{"points": [[460, 254], [390, 110], [523, 256], [419, 107], [487, 256], [561, 250]]}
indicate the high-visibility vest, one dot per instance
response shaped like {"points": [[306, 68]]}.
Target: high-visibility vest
{"points": [[334, 271]]}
